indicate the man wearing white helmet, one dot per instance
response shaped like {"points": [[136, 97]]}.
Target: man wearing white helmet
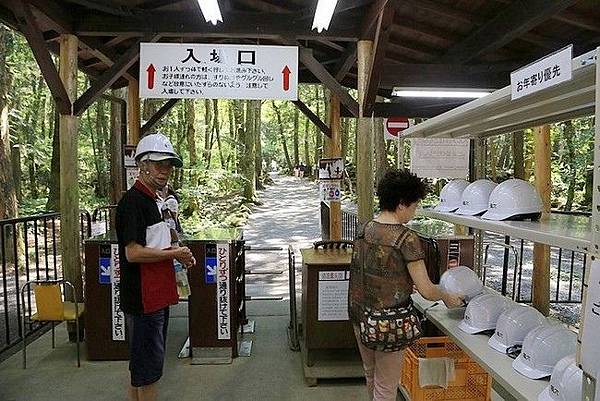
{"points": [[148, 284]]}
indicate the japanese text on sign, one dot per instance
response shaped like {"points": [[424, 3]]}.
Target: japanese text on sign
{"points": [[118, 317], [333, 295], [542, 74], [439, 157], [330, 190], [192, 70], [223, 306]]}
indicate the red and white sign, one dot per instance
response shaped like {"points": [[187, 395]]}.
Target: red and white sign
{"points": [[394, 126], [218, 71]]}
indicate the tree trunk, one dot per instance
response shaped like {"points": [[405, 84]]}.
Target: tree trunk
{"points": [[217, 128], [190, 135], [518, 162], [116, 151], [319, 135], [247, 159], [30, 128], [98, 146], [207, 131], [8, 200], [258, 145], [238, 114], [381, 163], [282, 137], [296, 137], [493, 162], [568, 133], [149, 108], [232, 134], [504, 152], [53, 203], [345, 134], [306, 142]]}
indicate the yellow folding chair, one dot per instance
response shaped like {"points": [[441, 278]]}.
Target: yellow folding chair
{"points": [[51, 308]]}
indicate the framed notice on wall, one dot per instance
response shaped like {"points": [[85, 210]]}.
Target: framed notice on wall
{"points": [[130, 169]]}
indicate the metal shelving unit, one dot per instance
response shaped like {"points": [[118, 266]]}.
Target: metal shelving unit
{"points": [[498, 114]]}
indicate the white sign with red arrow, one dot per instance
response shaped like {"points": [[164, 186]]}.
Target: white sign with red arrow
{"points": [[217, 71]]}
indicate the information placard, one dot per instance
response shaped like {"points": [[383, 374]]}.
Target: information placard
{"points": [[439, 157], [333, 295], [218, 71]]}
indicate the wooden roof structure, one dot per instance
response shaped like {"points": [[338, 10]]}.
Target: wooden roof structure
{"points": [[416, 43]]}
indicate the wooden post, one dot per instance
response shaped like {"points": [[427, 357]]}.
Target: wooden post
{"points": [[364, 140], [69, 182], [133, 112], [541, 253], [335, 148]]}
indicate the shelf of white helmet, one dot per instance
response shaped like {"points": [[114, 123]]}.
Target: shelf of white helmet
{"points": [[507, 382], [496, 113], [560, 230]]}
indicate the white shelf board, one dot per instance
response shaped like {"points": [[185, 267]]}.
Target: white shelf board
{"points": [[499, 366], [496, 113], [563, 231]]}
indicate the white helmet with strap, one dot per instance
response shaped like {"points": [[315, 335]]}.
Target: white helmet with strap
{"points": [[475, 198], [513, 325], [513, 199], [451, 194], [566, 382], [462, 281], [482, 313], [157, 147]]}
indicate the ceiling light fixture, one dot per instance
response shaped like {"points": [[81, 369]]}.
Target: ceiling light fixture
{"points": [[448, 93], [323, 14], [211, 11]]}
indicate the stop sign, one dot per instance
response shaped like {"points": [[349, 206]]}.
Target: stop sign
{"points": [[395, 125]]}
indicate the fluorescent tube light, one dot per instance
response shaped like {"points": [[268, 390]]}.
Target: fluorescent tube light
{"points": [[323, 14], [439, 93], [211, 11]]}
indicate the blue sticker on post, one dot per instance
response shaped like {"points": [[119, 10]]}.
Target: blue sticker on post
{"points": [[210, 264], [104, 265]]}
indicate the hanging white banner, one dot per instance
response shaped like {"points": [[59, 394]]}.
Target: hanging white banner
{"points": [[118, 317], [217, 71], [223, 290], [439, 157]]}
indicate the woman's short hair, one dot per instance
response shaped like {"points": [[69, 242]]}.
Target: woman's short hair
{"points": [[400, 187]]}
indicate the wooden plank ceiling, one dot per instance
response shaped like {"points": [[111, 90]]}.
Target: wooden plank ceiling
{"points": [[417, 43]]}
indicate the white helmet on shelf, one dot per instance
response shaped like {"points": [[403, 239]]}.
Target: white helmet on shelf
{"points": [[565, 383], [475, 198], [513, 198], [156, 147], [450, 196], [482, 313], [543, 347], [461, 280], [514, 325]]}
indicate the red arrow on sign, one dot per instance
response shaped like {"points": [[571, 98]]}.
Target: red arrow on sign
{"points": [[286, 78], [151, 70]]}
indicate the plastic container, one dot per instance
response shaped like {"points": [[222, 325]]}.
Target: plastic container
{"points": [[472, 383], [183, 285]]}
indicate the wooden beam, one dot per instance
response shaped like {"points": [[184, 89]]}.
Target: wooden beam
{"points": [[328, 80], [133, 112], [588, 22], [312, 117], [489, 76], [367, 28], [107, 78], [101, 52], [41, 53], [160, 113], [541, 253], [69, 181], [264, 6], [335, 151], [345, 62], [514, 21], [377, 55], [236, 25], [413, 107], [58, 16], [364, 140]]}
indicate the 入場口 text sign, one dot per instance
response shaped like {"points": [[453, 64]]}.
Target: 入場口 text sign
{"points": [[544, 73], [216, 71]]}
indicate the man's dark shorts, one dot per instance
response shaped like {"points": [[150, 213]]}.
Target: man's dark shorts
{"points": [[147, 340]]}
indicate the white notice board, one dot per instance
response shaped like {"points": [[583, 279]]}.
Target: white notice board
{"points": [[439, 157], [333, 295], [590, 352], [217, 71]]}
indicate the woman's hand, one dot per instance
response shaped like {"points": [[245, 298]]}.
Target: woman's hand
{"points": [[453, 300]]}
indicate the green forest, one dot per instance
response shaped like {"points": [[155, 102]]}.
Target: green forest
{"points": [[228, 147]]}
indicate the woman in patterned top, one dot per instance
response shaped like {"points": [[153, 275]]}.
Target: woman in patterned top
{"points": [[386, 276]]}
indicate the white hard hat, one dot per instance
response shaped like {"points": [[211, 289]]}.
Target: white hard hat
{"points": [[482, 313], [157, 147], [475, 197], [513, 198], [450, 196], [543, 347], [514, 325], [462, 281], [566, 382]]}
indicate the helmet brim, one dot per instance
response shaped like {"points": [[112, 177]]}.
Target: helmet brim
{"points": [[520, 366], [469, 211], [495, 343], [498, 215], [442, 208], [467, 328], [157, 157], [546, 395]]}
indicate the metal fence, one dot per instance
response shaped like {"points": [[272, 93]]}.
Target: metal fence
{"points": [[102, 219], [29, 249]]}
